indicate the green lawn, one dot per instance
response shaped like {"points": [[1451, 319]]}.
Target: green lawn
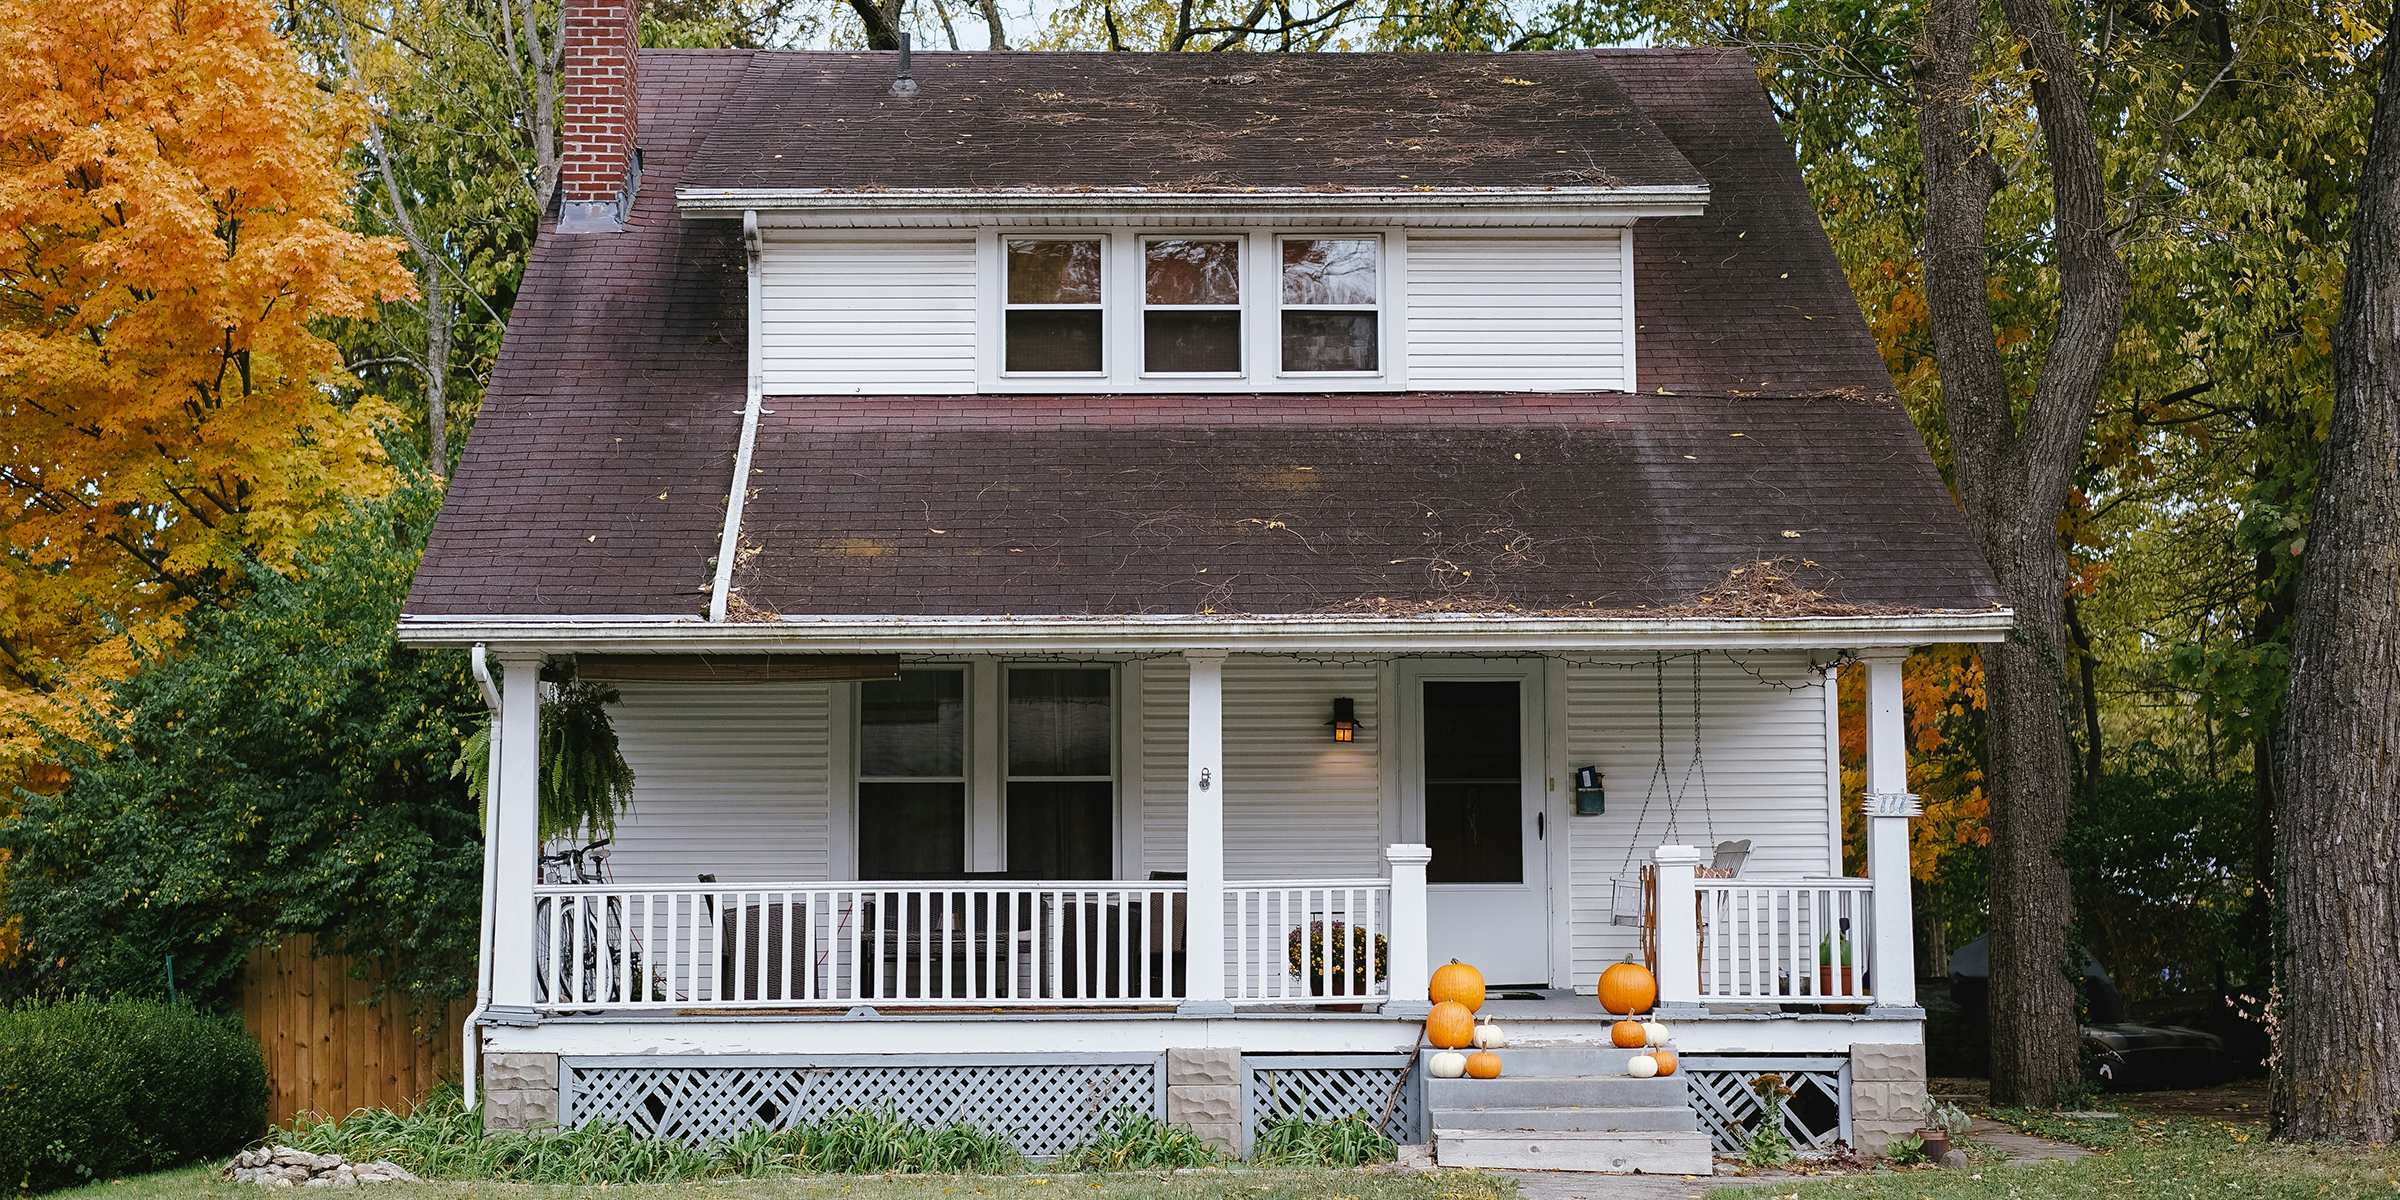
{"points": [[201, 1183], [2164, 1159]]}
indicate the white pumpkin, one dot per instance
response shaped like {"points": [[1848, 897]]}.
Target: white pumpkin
{"points": [[1489, 1037], [1450, 1064], [1642, 1067], [1654, 1033]]}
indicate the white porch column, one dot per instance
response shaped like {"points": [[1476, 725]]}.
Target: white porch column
{"points": [[1678, 924], [1204, 837], [1889, 805], [1411, 977], [515, 836]]}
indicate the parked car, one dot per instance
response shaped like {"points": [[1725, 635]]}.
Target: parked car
{"points": [[2133, 1056]]}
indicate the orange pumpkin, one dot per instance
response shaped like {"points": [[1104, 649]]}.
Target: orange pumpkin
{"points": [[1626, 988], [1665, 1060], [1450, 1026], [1483, 1065], [1457, 981], [1627, 1035]]}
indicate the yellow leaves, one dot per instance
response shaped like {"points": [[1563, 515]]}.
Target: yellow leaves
{"points": [[172, 178]]}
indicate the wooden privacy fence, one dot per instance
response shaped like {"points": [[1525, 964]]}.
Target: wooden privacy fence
{"points": [[327, 1051]]}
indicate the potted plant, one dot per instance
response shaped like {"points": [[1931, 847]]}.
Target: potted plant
{"points": [[1831, 952]]}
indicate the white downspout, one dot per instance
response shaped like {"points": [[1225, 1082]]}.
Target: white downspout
{"points": [[491, 866], [721, 592]]}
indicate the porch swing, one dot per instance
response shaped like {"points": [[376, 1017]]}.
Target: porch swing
{"points": [[1633, 893]]}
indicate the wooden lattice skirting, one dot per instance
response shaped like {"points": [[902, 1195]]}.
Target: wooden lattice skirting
{"points": [[1321, 1087], [1045, 1103], [1814, 1118]]}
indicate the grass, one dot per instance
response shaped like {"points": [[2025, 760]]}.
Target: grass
{"points": [[201, 1183], [2171, 1158]]}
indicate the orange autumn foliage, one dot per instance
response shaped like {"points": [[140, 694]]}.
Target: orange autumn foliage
{"points": [[170, 178], [1942, 697]]}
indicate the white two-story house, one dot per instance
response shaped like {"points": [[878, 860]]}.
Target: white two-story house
{"points": [[1117, 564]]}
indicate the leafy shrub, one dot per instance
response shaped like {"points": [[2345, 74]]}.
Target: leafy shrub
{"points": [[444, 1139], [94, 1088], [1133, 1141], [1350, 1141], [1768, 1145]]}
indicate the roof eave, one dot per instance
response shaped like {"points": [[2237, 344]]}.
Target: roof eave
{"points": [[1429, 206], [1440, 632]]}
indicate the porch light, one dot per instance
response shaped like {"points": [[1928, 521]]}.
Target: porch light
{"points": [[1345, 720]]}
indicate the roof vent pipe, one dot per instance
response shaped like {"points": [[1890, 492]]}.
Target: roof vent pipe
{"points": [[905, 84]]}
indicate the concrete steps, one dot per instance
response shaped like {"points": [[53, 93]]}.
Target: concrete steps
{"points": [[1567, 1109]]}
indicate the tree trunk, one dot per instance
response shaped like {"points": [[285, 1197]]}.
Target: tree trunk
{"points": [[2337, 1061], [991, 18], [440, 319], [2013, 477]]}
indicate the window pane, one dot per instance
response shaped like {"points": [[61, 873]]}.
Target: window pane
{"points": [[1181, 272], [912, 830], [1191, 341], [1054, 340], [1328, 341], [1474, 793], [1060, 830], [1053, 272], [1058, 722], [914, 725], [1329, 271]]}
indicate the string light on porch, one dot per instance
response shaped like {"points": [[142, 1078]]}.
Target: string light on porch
{"points": [[1345, 720]]}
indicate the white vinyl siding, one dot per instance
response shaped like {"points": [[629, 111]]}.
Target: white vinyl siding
{"points": [[1298, 804], [1517, 313], [1764, 748], [729, 779], [867, 315]]}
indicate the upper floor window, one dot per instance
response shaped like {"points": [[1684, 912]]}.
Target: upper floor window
{"points": [[1054, 313], [1332, 307], [1192, 306]]}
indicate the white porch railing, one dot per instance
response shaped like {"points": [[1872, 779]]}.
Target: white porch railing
{"points": [[1315, 943], [1785, 941], [802, 945]]}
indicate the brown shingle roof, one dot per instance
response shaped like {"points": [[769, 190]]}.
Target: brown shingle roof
{"points": [[1295, 504], [595, 480], [1185, 122]]}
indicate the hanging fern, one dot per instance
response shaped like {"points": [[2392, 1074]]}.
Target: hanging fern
{"points": [[586, 785]]}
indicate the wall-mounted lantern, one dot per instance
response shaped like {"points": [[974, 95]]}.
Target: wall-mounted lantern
{"points": [[1345, 720]]}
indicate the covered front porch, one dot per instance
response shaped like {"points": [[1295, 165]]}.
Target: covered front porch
{"points": [[714, 901]]}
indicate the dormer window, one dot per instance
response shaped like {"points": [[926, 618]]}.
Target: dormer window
{"points": [[1192, 306], [1332, 307], [1054, 319]]}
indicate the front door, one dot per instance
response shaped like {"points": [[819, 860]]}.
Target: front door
{"points": [[1476, 767]]}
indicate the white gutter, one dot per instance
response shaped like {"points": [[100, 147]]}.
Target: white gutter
{"points": [[491, 869], [1435, 633], [720, 593], [1433, 205]]}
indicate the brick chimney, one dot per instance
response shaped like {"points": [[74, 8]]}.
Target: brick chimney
{"points": [[601, 163]]}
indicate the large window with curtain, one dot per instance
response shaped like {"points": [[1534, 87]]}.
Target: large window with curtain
{"points": [[912, 776], [1061, 784]]}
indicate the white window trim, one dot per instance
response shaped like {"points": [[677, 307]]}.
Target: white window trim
{"points": [[1382, 307], [1121, 320], [1110, 359], [986, 764], [1247, 272]]}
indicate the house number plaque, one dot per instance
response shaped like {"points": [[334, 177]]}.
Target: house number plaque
{"points": [[1894, 804]]}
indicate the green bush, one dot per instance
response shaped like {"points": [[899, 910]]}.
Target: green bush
{"points": [[95, 1088], [442, 1139], [1134, 1141], [1351, 1141]]}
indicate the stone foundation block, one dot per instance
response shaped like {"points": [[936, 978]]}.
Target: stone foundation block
{"points": [[1887, 1062], [1222, 1067], [1225, 1137], [520, 1109], [520, 1072], [1204, 1104]]}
